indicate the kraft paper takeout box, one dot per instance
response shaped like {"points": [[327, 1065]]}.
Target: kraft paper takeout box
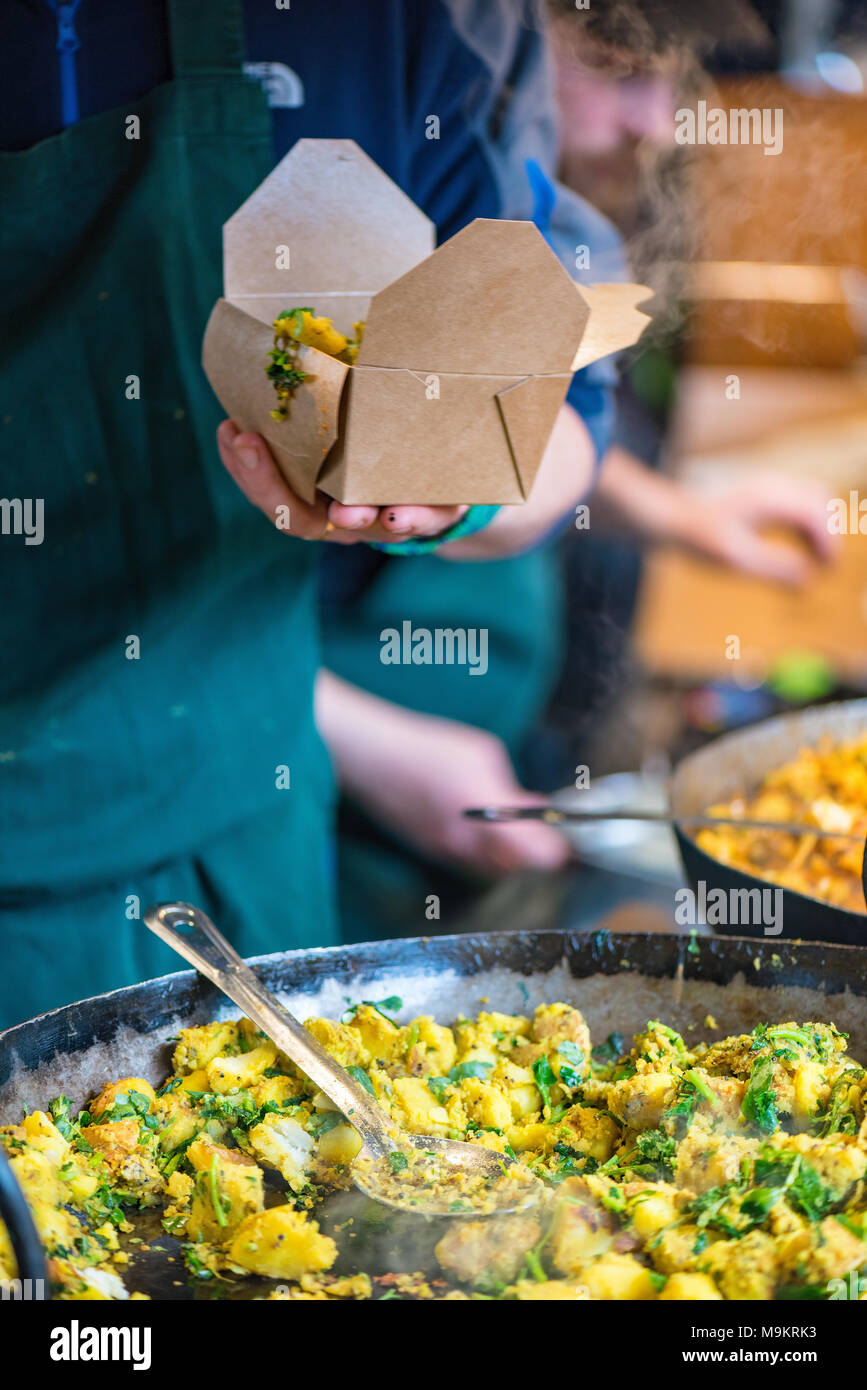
{"points": [[468, 350]]}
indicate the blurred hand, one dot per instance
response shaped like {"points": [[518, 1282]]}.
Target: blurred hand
{"points": [[415, 774], [251, 463], [728, 527]]}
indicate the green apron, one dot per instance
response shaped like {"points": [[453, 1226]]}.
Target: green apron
{"points": [[383, 882], [159, 645]]}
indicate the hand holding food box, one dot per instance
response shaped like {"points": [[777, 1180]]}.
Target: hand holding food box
{"points": [[467, 350]]}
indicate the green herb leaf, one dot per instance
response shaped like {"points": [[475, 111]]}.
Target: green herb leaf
{"points": [[362, 1078]]}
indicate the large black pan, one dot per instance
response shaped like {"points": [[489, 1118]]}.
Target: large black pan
{"points": [[736, 764], [618, 981]]}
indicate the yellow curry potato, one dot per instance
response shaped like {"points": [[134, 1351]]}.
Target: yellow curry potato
{"points": [[381, 1037], [282, 1143], [552, 1290], [419, 1110], [589, 1132], [698, 1288], [227, 1074], [41, 1133], [434, 1051], [196, 1047], [615, 1277], [118, 1092], [840, 1161], [8, 1265], [532, 1138], [36, 1175], [831, 1253], [554, 1023], [276, 1090], [195, 1081], [651, 1211], [115, 1140], [639, 1101], [281, 1244], [55, 1226], [745, 1268], [228, 1188], [707, 1159], [339, 1146], [485, 1104], [179, 1121], [344, 1043], [677, 1248], [490, 1252], [579, 1235]]}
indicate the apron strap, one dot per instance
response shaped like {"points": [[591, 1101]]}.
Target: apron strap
{"points": [[206, 35]]}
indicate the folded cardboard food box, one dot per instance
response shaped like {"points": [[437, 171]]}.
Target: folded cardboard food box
{"points": [[467, 350]]}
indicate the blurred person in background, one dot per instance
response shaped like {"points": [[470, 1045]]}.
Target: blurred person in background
{"points": [[622, 69], [437, 742]]}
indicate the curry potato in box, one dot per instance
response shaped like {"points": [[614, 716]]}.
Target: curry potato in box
{"points": [[467, 350]]}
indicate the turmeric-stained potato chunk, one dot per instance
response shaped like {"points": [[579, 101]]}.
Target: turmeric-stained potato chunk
{"points": [[530, 1138], [487, 1253], [588, 1131], [485, 1103], [115, 1140], [579, 1235], [284, 1144], [745, 1268], [277, 1089], [552, 1290], [430, 1049], [651, 1210], [840, 1160], [178, 1119], [339, 1146], [677, 1248], [228, 1189], [345, 1044], [197, 1046], [281, 1244], [614, 1278], [42, 1134], [639, 1101], [561, 1023], [520, 1087], [831, 1252], [418, 1107], [227, 1074], [381, 1037], [118, 1093], [707, 1159], [698, 1288]]}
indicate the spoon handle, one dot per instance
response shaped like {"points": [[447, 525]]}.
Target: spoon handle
{"points": [[193, 935]]}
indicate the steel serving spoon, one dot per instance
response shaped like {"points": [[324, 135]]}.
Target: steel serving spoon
{"points": [[187, 930]]}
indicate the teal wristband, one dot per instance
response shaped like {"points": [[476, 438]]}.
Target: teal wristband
{"points": [[476, 519]]}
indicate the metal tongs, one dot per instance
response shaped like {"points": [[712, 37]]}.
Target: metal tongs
{"points": [[558, 815]]}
